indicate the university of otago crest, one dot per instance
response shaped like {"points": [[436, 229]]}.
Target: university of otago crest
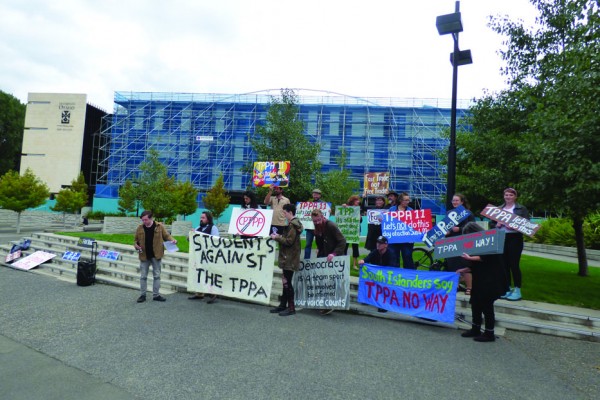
{"points": [[65, 117]]}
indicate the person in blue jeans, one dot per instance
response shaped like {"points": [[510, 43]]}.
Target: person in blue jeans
{"points": [[310, 233], [399, 202]]}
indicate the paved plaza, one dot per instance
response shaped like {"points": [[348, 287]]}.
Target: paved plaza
{"points": [[61, 341]]}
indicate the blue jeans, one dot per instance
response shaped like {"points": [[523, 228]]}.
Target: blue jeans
{"points": [[405, 250], [310, 235], [144, 267]]}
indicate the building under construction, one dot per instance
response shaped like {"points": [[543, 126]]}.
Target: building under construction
{"points": [[200, 136]]}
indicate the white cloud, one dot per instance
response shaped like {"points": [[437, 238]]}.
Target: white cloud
{"points": [[385, 48]]}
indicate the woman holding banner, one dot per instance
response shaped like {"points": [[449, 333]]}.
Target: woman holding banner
{"points": [[354, 201], [405, 249], [455, 263], [209, 228], [488, 286], [374, 227], [289, 259], [513, 245]]}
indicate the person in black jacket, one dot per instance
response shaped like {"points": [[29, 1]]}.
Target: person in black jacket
{"points": [[513, 245], [455, 263], [383, 256], [488, 286]]}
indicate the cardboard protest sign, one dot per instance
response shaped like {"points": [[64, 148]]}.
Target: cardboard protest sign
{"points": [[71, 256], [10, 257], [108, 255], [474, 244], [452, 219], [377, 183], [425, 294], [271, 173], [304, 208], [513, 221], [323, 284], [238, 268], [86, 242], [406, 226], [33, 260], [250, 222], [347, 220], [374, 217]]}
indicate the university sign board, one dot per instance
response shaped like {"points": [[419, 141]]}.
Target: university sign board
{"points": [[511, 220], [474, 244]]}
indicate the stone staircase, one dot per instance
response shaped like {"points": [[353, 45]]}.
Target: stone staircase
{"points": [[522, 316]]}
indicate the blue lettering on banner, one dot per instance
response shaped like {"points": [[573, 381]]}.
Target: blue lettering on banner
{"points": [[425, 294]]}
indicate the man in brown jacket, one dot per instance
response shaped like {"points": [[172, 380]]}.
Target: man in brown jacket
{"points": [[330, 241], [149, 242]]}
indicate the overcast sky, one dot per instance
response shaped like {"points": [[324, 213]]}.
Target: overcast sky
{"points": [[377, 48]]}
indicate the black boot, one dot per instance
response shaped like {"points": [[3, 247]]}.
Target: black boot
{"points": [[291, 310], [475, 331], [488, 336], [277, 309]]}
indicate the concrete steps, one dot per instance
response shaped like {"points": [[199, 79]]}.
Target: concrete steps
{"points": [[522, 315]]}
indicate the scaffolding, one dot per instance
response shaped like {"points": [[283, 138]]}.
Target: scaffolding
{"points": [[200, 136]]}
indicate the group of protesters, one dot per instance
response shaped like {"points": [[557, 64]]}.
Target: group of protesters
{"points": [[486, 278]]}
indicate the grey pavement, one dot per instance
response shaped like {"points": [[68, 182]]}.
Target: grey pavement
{"points": [[58, 340]]}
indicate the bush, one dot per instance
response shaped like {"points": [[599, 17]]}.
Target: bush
{"points": [[560, 232], [99, 215]]}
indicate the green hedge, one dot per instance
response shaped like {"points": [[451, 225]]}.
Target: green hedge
{"points": [[560, 232]]}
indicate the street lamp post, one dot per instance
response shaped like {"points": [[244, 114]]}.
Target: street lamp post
{"points": [[452, 24]]}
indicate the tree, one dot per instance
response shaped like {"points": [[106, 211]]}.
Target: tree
{"points": [[185, 198], [18, 193], [129, 200], [282, 138], [155, 187], [554, 94], [216, 199], [12, 122], [73, 198], [340, 186]]}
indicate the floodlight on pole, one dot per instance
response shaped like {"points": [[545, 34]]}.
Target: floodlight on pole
{"points": [[452, 24]]}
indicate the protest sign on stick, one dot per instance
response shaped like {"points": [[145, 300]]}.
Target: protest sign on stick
{"points": [[271, 173], [304, 208], [250, 222], [376, 183], [452, 219], [474, 244], [511, 220], [348, 221]]}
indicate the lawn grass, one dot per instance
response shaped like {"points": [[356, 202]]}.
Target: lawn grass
{"points": [[544, 280]]}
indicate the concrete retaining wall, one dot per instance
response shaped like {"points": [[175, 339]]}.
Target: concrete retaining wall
{"points": [[120, 224], [39, 219], [561, 251]]}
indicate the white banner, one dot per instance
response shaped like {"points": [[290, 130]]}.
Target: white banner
{"points": [[250, 222], [238, 268], [33, 260], [323, 284]]}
